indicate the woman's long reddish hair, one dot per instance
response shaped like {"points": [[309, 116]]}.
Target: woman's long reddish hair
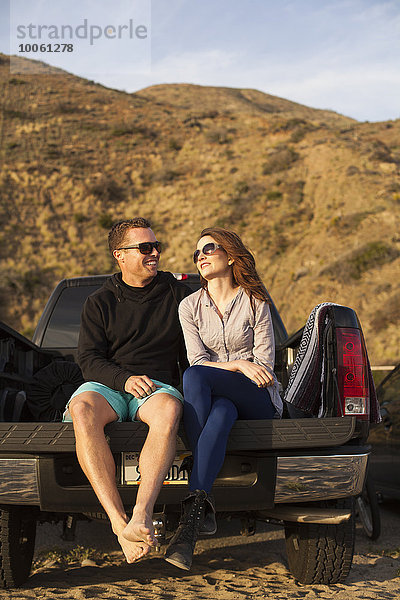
{"points": [[244, 265]]}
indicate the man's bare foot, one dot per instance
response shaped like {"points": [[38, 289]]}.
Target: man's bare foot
{"points": [[133, 550], [140, 529]]}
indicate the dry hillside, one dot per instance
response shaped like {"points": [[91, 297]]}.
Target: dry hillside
{"points": [[314, 194]]}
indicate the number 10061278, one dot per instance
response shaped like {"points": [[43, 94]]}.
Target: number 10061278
{"points": [[45, 48], [130, 473]]}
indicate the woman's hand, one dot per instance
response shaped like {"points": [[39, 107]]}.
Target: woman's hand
{"points": [[255, 372]]}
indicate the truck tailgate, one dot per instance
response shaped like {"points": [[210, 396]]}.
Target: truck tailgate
{"points": [[245, 435]]}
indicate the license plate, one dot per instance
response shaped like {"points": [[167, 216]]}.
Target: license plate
{"points": [[131, 474]]}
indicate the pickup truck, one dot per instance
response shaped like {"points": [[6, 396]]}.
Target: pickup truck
{"points": [[300, 472]]}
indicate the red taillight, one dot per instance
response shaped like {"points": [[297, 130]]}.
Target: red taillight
{"points": [[181, 276], [352, 372]]}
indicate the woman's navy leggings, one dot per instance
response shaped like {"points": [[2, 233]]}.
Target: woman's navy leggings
{"points": [[214, 399]]}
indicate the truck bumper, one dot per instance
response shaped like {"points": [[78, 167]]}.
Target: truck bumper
{"points": [[19, 481], [308, 478], [301, 478]]}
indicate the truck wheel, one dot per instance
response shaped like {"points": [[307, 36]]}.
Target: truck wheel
{"points": [[320, 553], [17, 543], [368, 510]]}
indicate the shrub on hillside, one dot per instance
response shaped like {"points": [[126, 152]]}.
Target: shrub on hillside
{"points": [[107, 190], [280, 125], [164, 175], [388, 314], [243, 195], [393, 192], [68, 108], [393, 187], [279, 244], [295, 191], [381, 152], [193, 122], [281, 159], [92, 126], [300, 132], [218, 136], [346, 223], [79, 218], [354, 264], [17, 114], [133, 129], [274, 195], [105, 221], [298, 127], [209, 115], [174, 144], [25, 283], [241, 187], [53, 151], [352, 170]]}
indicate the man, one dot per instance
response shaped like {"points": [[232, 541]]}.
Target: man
{"points": [[129, 343]]}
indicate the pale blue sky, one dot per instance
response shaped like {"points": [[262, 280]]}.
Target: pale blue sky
{"points": [[342, 55]]}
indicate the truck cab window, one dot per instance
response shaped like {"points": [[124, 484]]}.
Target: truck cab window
{"points": [[63, 326]]}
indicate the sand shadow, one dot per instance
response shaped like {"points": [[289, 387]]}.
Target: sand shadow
{"points": [[235, 558]]}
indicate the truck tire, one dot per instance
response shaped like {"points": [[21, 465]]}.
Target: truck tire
{"points": [[319, 553], [17, 543], [367, 508]]}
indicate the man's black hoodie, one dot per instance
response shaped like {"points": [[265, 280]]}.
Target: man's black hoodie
{"points": [[132, 331]]}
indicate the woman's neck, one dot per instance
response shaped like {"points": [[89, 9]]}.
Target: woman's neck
{"points": [[222, 290]]}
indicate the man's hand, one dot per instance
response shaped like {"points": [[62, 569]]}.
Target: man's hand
{"points": [[140, 386], [255, 372]]}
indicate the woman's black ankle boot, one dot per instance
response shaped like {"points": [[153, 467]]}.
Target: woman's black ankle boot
{"points": [[181, 547], [209, 525]]}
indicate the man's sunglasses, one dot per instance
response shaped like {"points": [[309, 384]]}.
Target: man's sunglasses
{"points": [[209, 248], [144, 247]]}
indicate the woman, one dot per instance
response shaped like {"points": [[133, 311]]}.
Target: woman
{"points": [[230, 345]]}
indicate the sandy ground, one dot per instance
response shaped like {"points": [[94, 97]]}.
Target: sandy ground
{"points": [[226, 567]]}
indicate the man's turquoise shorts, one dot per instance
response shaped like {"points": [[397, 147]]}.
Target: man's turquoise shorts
{"points": [[124, 404]]}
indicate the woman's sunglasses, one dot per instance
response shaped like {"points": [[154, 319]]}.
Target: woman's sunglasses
{"points": [[144, 247], [208, 249]]}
